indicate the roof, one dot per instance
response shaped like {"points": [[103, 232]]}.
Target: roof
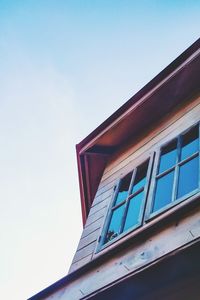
{"points": [[178, 82], [175, 84]]}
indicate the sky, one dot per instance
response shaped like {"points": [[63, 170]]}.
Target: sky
{"points": [[65, 66]]}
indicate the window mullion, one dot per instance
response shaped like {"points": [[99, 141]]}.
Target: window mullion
{"points": [[199, 154], [146, 188], [150, 198], [132, 182], [127, 200], [118, 205], [176, 171], [124, 216], [135, 193], [165, 172], [110, 210], [188, 158]]}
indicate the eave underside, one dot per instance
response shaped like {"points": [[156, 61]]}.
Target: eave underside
{"points": [[179, 86]]}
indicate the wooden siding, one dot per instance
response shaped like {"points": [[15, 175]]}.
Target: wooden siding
{"points": [[123, 162], [140, 254]]}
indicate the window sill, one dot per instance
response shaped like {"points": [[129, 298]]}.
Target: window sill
{"points": [[161, 219], [171, 205]]}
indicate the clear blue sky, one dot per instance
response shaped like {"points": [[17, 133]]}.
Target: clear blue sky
{"points": [[65, 66]]}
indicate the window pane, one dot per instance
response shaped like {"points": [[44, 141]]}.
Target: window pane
{"points": [[168, 156], [190, 143], [123, 188], [140, 178], [132, 216], [115, 223], [188, 177], [163, 193]]}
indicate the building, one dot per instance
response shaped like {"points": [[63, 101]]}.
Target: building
{"points": [[139, 175]]}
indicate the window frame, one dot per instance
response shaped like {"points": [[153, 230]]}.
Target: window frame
{"points": [[149, 215], [148, 219], [101, 244]]}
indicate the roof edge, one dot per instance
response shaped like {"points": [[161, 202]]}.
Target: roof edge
{"points": [[141, 93]]}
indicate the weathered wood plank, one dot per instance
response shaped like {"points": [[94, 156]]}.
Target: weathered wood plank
{"points": [[166, 122], [133, 160], [100, 213], [105, 187], [103, 196], [80, 263], [100, 205], [82, 253], [92, 227], [127, 166], [124, 162], [138, 255], [89, 239], [177, 123]]}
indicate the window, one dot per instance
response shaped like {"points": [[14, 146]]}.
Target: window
{"points": [[175, 177], [128, 204], [177, 171]]}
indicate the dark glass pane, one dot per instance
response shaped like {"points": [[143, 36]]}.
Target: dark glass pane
{"points": [[123, 188], [115, 223], [163, 193], [188, 177], [190, 143], [132, 216], [140, 179], [168, 156]]}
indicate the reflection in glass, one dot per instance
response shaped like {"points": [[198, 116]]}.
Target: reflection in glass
{"points": [[168, 156], [190, 143], [140, 179], [123, 188], [133, 213], [115, 223], [188, 177], [163, 193]]}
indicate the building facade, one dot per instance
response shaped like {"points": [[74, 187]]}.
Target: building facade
{"points": [[139, 175]]}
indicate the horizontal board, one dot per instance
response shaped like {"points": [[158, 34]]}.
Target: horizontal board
{"points": [[127, 165], [80, 254], [137, 256], [103, 196], [93, 236], [100, 205], [124, 162], [100, 213], [80, 263], [105, 187], [183, 119], [92, 227]]}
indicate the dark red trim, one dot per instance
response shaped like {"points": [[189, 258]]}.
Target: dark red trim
{"points": [[149, 86], [178, 88]]}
